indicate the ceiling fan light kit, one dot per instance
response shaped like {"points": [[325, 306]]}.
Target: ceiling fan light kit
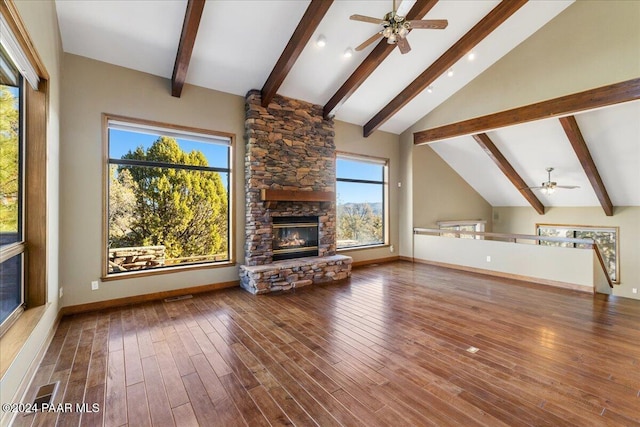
{"points": [[395, 28], [549, 187]]}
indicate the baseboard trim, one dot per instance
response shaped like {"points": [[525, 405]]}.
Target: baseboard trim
{"points": [[364, 263], [137, 299], [405, 258], [536, 280]]}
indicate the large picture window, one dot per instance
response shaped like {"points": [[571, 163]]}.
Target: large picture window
{"points": [[168, 197], [361, 208], [605, 237], [12, 242]]}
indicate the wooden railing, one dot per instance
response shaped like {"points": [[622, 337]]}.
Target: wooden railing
{"points": [[517, 238]]}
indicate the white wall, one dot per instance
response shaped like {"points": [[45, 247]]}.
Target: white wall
{"points": [[41, 22], [547, 263], [523, 220]]}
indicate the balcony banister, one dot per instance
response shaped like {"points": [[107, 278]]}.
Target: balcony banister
{"points": [[513, 238]]}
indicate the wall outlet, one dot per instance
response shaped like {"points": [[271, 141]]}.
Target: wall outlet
{"points": [[60, 292], [488, 258], [94, 285], [391, 248], [634, 290], [399, 185]]}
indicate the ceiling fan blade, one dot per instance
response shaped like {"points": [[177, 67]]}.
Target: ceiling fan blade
{"points": [[569, 187], [434, 24], [368, 41], [403, 45], [369, 19]]}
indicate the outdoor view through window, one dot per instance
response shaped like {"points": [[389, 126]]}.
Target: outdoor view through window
{"points": [[606, 239], [168, 197], [360, 187], [11, 191]]}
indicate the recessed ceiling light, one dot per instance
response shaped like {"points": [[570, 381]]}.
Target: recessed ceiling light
{"points": [[322, 41], [348, 53], [471, 56], [450, 72], [430, 89]]}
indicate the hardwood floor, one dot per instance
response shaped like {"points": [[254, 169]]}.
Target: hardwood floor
{"points": [[389, 347]]}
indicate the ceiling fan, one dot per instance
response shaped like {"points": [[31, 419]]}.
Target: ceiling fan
{"points": [[549, 187], [395, 28]]}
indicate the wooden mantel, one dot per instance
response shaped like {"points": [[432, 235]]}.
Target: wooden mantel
{"points": [[272, 197]]}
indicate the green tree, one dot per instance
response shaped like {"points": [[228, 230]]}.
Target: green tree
{"points": [[9, 160], [357, 221], [184, 210]]}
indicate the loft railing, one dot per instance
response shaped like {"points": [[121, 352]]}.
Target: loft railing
{"points": [[518, 238]]}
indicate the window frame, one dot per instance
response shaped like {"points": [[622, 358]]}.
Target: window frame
{"points": [[34, 120], [574, 228], [174, 131], [385, 163]]}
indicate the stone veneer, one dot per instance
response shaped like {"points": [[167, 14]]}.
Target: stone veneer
{"points": [[289, 146]]}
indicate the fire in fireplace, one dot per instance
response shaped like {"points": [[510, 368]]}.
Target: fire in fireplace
{"points": [[295, 237]]}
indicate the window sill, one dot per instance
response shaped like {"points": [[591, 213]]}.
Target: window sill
{"points": [[15, 337], [165, 270], [363, 248]]}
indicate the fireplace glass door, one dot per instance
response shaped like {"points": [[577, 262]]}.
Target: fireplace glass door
{"points": [[295, 237]]}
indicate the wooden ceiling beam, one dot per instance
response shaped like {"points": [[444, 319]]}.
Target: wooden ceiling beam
{"points": [[571, 128], [185, 47], [565, 105], [303, 32], [371, 62], [498, 158], [482, 29]]}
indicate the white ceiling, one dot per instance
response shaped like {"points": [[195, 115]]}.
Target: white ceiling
{"points": [[239, 42], [612, 135]]}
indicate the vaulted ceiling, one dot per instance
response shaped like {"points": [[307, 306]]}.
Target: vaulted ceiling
{"points": [[236, 46]]}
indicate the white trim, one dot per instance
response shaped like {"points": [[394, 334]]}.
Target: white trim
{"points": [[157, 130], [15, 52]]}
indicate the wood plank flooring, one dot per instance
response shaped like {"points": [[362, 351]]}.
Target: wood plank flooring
{"points": [[387, 348]]}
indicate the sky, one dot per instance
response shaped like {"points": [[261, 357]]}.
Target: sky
{"points": [[121, 141]]}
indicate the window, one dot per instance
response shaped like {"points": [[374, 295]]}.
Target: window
{"points": [[361, 210], [168, 197], [22, 159], [470, 225], [605, 237], [12, 245]]}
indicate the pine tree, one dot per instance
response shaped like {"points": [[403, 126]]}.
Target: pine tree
{"points": [[184, 210]]}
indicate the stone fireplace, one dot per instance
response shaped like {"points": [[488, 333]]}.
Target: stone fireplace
{"points": [[289, 179]]}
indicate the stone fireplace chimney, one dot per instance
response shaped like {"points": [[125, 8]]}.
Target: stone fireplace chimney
{"points": [[290, 172], [289, 146]]}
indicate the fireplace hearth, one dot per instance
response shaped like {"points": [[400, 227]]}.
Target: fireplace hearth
{"points": [[295, 237]]}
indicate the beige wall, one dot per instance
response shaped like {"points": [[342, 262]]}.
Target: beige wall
{"points": [[523, 220], [91, 88], [439, 193], [41, 22], [590, 44], [432, 191], [349, 139]]}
